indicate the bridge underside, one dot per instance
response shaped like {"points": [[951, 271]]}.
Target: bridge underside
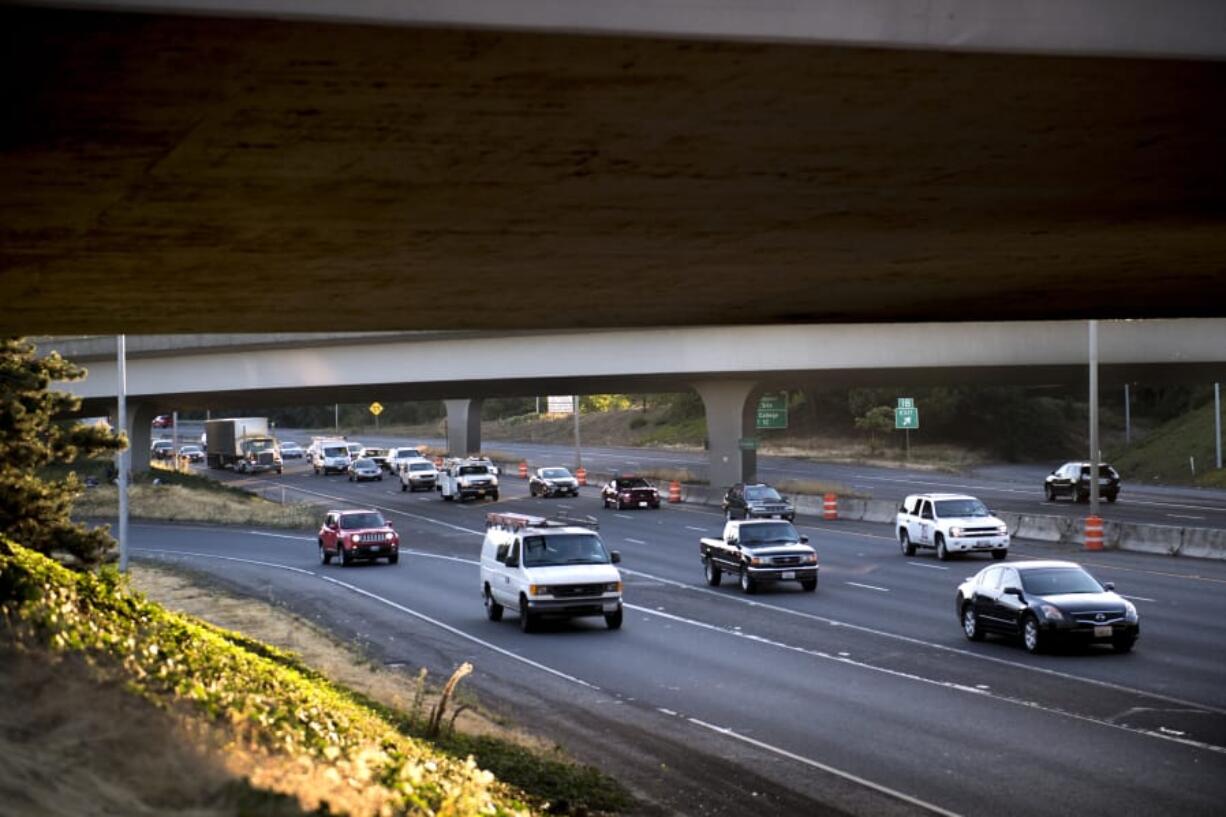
{"points": [[167, 173]]}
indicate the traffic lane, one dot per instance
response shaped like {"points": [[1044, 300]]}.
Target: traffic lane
{"points": [[1170, 505], [656, 662], [705, 771], [908, 597]]}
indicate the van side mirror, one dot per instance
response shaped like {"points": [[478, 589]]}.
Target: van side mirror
{"points": [[390, 525], [1015, 591], [1109, 586], [615, 557], [512, 561], [804, 540]]}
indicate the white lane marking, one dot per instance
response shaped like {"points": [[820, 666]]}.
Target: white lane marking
{"points": [[930, 567], [847, 532], [691, 527], [558, 673], [281, 536], [635, 541], [915, 801], [1139, 598], [1183, 516], [869, 586], [883, 633], [354, 588], [954, 686], [930, 644], [623, 516]]}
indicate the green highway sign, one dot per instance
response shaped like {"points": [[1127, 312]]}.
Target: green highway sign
{"points": [[907, 418], [906, 402], [773, 411]]}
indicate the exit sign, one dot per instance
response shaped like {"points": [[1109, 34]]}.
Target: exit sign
{"points": [[906, 418]]}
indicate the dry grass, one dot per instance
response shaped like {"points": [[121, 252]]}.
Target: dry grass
{"points": [[317, 648], [683, 475], [178, 503], [816, 487]]}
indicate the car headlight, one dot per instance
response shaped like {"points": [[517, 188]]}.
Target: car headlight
{"points": [[354, 538], [1001, 530], [613, 587], [1051, 612], [955, 531], [1130, 612], [389, 536], [755, 562], [811, 559], [538, 590]]}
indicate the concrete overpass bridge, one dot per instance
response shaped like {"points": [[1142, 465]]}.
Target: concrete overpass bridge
{"points": [[728, 367], [253, 165]]}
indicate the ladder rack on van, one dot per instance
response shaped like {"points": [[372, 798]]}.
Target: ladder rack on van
{"points": [[515, 521]]}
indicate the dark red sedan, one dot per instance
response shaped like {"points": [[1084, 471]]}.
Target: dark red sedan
{"points": [[352, 535], [629, 492]]}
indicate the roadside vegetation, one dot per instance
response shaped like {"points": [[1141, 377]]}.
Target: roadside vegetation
{"points": [[166, 495], [265, 726], [1168, 453]]}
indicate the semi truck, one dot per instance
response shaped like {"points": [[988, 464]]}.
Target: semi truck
{"points": [[243, 443]]}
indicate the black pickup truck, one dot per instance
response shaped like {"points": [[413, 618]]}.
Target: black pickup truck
{"points": [[759, 551]]}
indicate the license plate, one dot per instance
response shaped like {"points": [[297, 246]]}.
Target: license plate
{"points": [[376, 547], [788, 574], [776, 516], [642, 504], [1102, 632]]}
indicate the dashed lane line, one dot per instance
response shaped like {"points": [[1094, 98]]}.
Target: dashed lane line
{"points": [[930, 567], [869, 586]]}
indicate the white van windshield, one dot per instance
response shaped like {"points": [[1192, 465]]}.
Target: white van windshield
{"points": [[564, 549]]}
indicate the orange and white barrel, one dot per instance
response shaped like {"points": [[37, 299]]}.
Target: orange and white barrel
{"points": [[1094, 533], [830, 507]]}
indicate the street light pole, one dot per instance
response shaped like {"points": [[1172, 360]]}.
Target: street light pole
{"points": [[578, 454], [1093, 418], [1217, 420], [121, 393]]}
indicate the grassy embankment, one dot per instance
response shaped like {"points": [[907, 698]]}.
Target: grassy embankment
{"points": [[221, 723], [1162, 456]]}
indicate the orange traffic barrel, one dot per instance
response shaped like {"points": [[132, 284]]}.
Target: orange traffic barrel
{"points": [[523, 470], [830, 507], [674, 491], [1094, 533], [581, 475]]}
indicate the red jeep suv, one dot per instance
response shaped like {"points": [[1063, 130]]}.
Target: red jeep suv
{"points": [[354, 535]]}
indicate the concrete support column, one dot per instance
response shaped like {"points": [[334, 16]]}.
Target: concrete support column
{"points": [[463, 426], [140, 438], [729, 407]]}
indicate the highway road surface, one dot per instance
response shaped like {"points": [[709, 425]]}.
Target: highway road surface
{"points": [[863, 698], [1017, 488]]}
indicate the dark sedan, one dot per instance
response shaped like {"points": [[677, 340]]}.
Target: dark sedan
{"points": [[756, 501], [1045, 601], [1073, 480]]}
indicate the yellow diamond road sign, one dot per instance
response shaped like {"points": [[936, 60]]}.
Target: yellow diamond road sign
{"points": [[376, 409]]}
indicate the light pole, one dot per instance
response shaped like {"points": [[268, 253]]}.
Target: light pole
{"points": [[1093, 418], [578, 454], [122, 456]]}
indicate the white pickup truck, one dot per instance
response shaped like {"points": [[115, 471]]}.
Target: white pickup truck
{"points": [[760, 550], [950, 523], [464, 479]]}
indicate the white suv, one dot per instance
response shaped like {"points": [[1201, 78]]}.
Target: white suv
{"points": [[951, 523], [417, 474], [548, 568]]}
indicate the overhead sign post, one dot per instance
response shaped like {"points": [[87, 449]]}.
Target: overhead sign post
{"points": [[376, 408], [772, 411], [906, 417]]}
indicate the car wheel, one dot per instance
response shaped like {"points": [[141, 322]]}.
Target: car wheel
{"points": [[393, 559], [808, 585], [970, 623], [614, 620], [1047, 494], [942, 553], [527, 621], [748, 585], [351, 477], [620, 505], [380, 477], [325, 558], [346, 558], [1123, 643], [403, 488], [998, 555], [1111, 497], [1032, 636], [494, 496], [904, 542], [713, 573], [493, 610]]}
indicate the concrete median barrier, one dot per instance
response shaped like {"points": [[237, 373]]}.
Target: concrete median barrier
{"points": [[1203, 543]]}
